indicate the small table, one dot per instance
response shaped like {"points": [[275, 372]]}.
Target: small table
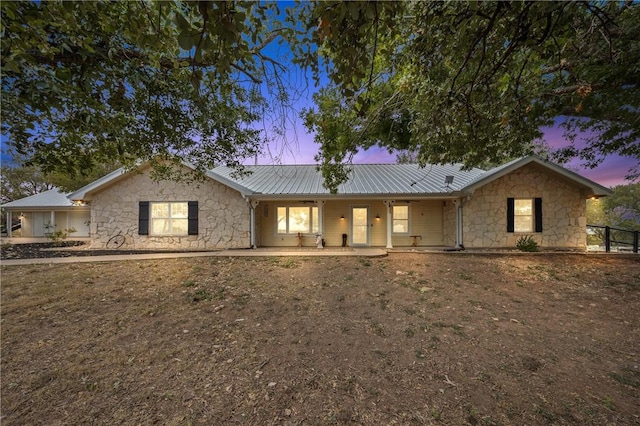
{"points": [[415, 240]]}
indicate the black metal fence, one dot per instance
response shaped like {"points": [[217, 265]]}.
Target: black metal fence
{"points": [[610, 237]]}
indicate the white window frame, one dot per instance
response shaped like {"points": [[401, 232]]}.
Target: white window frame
{"points": [[313, 225], [170, 219], [408, 219], [532, 216]]}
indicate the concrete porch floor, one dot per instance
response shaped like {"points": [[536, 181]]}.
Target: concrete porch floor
{"points": [[257, 252]]}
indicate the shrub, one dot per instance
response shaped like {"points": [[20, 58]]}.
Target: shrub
{"points": [[60, 235], [527, 243]]}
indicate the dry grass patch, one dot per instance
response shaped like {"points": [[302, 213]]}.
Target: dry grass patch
{"points": [[406, 339]]}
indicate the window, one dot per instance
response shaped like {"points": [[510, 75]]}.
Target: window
{"points": [[169, 218], [400, 219], [524, 215], [291, 220]]}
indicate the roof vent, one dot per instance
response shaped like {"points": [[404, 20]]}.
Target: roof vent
{"points": [[448, 180]]}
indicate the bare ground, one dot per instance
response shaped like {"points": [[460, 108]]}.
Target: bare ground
{"points": [[405, 339]]}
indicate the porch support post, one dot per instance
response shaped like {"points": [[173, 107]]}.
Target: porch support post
{"points": [[53, 221], [389, 218], [9, 224], [252, 223], [320, 205], [458, 204]]}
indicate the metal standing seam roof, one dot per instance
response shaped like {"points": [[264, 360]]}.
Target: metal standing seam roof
{"points": [[306, 180], [47, 199], [364, 179]]}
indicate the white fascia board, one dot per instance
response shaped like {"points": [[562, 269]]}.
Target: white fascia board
{"points": [[595, 188], [84, 193]]}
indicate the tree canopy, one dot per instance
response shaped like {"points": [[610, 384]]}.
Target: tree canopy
{"points": [[18, 180], [472, 82], [623, 206], [89, 82], [620, 210]]}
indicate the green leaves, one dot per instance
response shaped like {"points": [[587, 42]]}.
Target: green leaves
{"points": [[473, 82], [92, 82], [468, 82], [623, 207]]}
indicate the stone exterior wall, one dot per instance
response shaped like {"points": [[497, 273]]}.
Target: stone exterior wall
{"points": [[223, 215], [563, 211]]}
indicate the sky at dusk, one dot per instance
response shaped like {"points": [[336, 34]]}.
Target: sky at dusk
{"points": [[300, 148]]}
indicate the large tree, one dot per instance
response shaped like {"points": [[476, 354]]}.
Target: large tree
{"points": [[623, 206], [19, 180], [473, 81], [84, 83], [620, 210]]}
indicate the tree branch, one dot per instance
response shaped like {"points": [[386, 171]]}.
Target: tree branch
{"points": [[268, 39], [375, 44], [246, 72], [146, 9], [478, 39]]}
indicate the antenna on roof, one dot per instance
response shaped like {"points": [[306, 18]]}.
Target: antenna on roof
{"points": [[448, 180]]}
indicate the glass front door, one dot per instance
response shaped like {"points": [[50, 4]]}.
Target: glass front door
{"points": [[360, 226]]}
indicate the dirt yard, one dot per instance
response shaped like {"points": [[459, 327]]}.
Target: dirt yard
{"points": [[405, 339]]}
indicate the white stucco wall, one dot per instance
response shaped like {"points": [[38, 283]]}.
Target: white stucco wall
{"points": [[38, 223], [223, 220], [425, 219]]}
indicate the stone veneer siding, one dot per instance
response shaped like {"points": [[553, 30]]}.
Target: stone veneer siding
{"points": [[223, 215], [563, 211]]}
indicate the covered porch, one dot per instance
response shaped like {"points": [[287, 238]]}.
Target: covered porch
{"points": [[355, 222], [41, 215]]}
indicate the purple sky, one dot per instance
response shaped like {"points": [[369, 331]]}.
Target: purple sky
{"points": [[300, 147], [610, 172]]}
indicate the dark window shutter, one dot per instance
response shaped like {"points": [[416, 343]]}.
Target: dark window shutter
{"points": [[537, 210], [510, 214], [193, 218], [143, 218]]}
